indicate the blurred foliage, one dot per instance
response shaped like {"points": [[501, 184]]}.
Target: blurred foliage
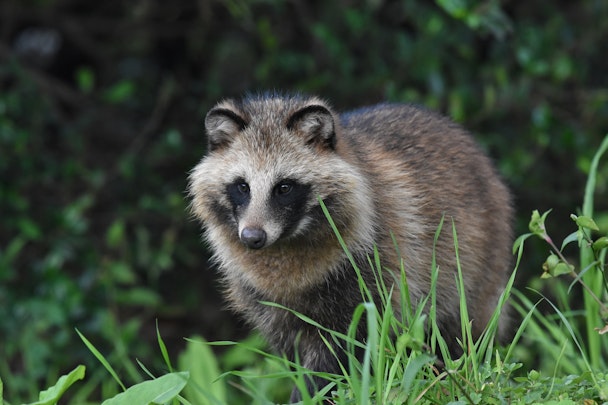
{"points": [[101, 107]]}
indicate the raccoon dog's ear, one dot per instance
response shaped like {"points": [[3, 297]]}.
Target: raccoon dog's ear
{"points": [[221, 125], [316, 123]]}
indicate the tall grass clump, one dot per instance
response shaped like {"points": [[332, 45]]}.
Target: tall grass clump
{"points": [[405, 359], [573, 333]]}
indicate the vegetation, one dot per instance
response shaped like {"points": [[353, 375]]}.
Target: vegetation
{"points": [[398, 364], [100, 121]]}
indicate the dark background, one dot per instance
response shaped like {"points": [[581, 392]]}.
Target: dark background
{"points": [[101, 110]]}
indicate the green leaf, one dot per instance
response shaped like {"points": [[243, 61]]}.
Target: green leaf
{"points": [[119, 92], [121, 273], [601, 243], [158, 391], [411, 373], [550, 263], [115, 235], [573, 237], [205, 386], [85, 78], [138, 296], [554, 267], [585, 222], [533, 375], [29, 228], [51, 395], [562, 268], [456, 8], [537, 223]]}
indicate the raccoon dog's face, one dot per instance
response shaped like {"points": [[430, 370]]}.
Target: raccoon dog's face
{"points": [[269, 160]]}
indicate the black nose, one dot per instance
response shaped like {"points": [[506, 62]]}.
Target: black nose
{"points": [[254, 238]]}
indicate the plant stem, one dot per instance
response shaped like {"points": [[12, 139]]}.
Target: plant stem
{"points": [[575, 275]]}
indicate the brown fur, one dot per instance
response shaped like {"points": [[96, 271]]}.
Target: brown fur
{"points": [[388, 168]]}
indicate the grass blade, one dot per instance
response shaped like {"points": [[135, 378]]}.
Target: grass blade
{"points": [[163, 348], [101, 359]]}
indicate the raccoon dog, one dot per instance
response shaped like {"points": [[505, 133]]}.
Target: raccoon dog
{"points": [[381, 170]]}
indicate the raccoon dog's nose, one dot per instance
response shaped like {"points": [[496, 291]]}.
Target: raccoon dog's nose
{"points": [[254, 238]]}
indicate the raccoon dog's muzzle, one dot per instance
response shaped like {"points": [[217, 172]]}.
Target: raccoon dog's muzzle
{"points": [[253, 237], [258, 229]]}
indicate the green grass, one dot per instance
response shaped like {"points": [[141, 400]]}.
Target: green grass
{"points": [[557, 356]]}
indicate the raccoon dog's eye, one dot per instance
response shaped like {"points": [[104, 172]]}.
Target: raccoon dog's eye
{"points": [[243, 188], [284, 188]]}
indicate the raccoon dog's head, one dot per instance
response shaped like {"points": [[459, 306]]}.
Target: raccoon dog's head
{"points": [[270, 159]]}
